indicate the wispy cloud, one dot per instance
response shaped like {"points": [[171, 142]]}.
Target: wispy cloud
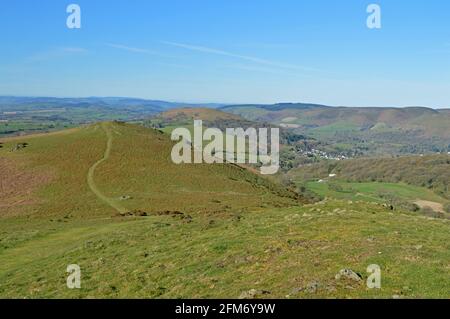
{"points": [[257, 68], [55, 53], [239, 56], [137, 50], [275, 46], [129, 49]]}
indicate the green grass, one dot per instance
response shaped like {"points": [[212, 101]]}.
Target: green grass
{"points": [[330, 130], [217, 256], [24, 126], [372, 191], [40, 121]]}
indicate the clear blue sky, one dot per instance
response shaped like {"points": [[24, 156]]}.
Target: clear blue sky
{"points": [[230, 51]]}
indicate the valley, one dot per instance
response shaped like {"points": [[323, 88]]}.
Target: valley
{"points": [[361, 131]]}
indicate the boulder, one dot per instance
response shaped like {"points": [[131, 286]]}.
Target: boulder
{"points": [[348, 274], [253, 293]]}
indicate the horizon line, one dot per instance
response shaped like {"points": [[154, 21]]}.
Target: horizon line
{"points": [[222, 104]]}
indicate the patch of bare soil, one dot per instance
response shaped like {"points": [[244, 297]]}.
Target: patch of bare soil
{"points": [[437, 207], [17, 185]]}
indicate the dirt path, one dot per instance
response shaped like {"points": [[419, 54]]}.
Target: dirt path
{"points": [[90, 175]]}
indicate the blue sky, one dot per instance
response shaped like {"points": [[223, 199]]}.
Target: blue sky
{"points": [[231, 51]]}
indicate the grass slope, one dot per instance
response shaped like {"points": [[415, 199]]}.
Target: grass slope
{"points": [[374, 191], [291, 253], [138, 167]]}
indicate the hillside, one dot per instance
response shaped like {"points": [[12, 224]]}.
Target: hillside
{"points": [[432, 172], [321, 115], [197, 114], [169, 120], [138, 167], [185, 117], [412, 181], [409, 130]]}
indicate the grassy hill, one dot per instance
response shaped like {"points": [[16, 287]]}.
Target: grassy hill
{"points": [[185, 117], [108, 198], [169, 120], [205, 114], [135, 154], [369, 129]]}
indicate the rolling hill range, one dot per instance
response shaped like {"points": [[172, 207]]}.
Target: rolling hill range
{"points": [[24, 115], [213, 118], [372, 130], [107, 197], [22, 104]]}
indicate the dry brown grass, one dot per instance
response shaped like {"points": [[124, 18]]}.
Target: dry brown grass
{"points": [[18, 185]]}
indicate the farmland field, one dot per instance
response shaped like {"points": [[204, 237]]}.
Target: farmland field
{"points": [[373, 191]]}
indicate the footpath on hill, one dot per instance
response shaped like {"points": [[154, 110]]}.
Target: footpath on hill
{"points": [[90, 176]]}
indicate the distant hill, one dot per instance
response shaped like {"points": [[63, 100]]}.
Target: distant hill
{"points": [[17, 104], [278, 106], [25, 115], [213, 118], [364, 118], [204, 114], [372, 130]]}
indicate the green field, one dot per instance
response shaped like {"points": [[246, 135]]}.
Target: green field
{"points": [[373, 191], [330, 130]]}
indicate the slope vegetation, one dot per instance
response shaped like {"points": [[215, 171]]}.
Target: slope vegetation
{"points": [[432, 172], [104, 168], [204, 114]]}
